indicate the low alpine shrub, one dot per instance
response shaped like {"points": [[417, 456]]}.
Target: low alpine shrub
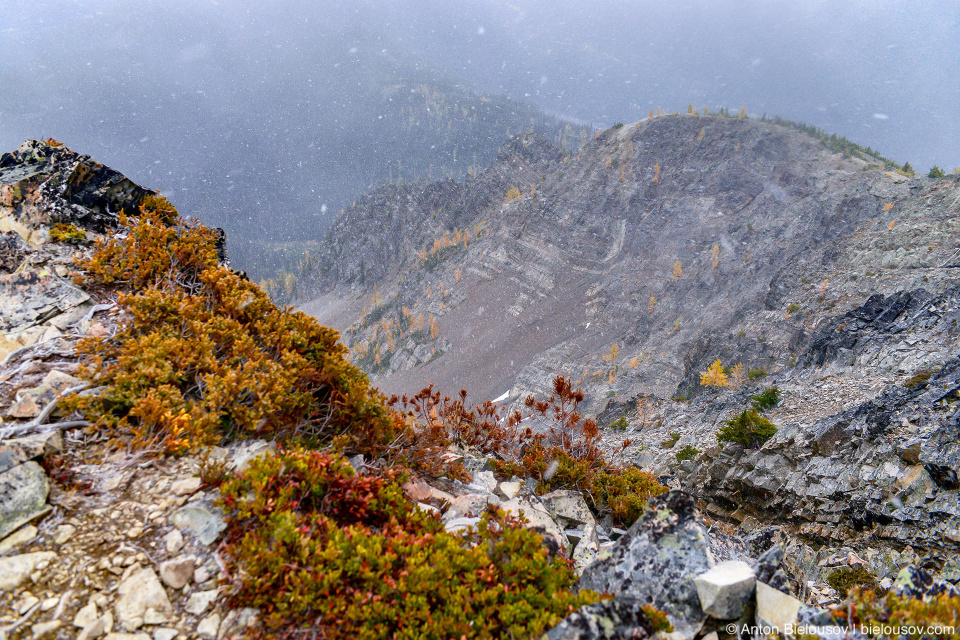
{"points": [[766, 400], [749, 429], [323, 551]]}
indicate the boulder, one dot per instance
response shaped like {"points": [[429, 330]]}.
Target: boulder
{"points": [[23, 496], [656, 561], [726, 590], [610, 619]]}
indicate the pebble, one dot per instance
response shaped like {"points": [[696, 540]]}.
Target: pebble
{"points": [[63, 533], [173, 541]]}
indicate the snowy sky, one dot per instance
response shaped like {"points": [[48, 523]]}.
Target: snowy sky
{"points": [[169, 90]]}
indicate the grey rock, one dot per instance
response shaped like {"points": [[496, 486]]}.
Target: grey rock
{"points": [[568, 507], [726, 589], [31, 296], [23, 496], [607, 620], [202, 519], [657, 560]]}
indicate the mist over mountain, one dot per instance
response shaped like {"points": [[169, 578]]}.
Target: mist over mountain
{"points": [[267, 120]]}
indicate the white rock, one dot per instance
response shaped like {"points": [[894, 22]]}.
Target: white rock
{"points": [[726, 589], [509, 490], [21, 536], [185, 487], [200, 601], [423, 506], [177, 572], [44, 628], [15, 570], [173, 541], [94, 630], [775, 608], [139, 594], [86, 616], [569, 506], [456, 524], [63, 533], [209, 626], [165, 634]]}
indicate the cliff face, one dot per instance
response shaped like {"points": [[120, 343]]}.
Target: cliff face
{"points": [[660, 247], [630, 265]]}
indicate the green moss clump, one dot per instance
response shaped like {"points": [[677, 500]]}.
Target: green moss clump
{"points": [[749, 429], [620, 424], [919, 379], [343, 556], [845, 578], [672, 440]]}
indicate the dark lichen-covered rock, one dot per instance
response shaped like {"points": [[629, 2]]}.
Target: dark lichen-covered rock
{"points": [[655, 563], [43, 183], [611, 619], [13, 250]]}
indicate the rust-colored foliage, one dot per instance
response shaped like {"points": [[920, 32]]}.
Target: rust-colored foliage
{"points": [[321, 550], [552, 443], [205, 354]]}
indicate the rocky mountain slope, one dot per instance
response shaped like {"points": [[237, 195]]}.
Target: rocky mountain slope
{"points": [[103, 535], [657, 249]]}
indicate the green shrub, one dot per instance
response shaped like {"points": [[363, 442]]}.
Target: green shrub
{"points": [[620, 424], [326, 552], [757, 374], [845, 578], [936, 172], [749, 429], [689, 452], [792, 308], [766, 400]]}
